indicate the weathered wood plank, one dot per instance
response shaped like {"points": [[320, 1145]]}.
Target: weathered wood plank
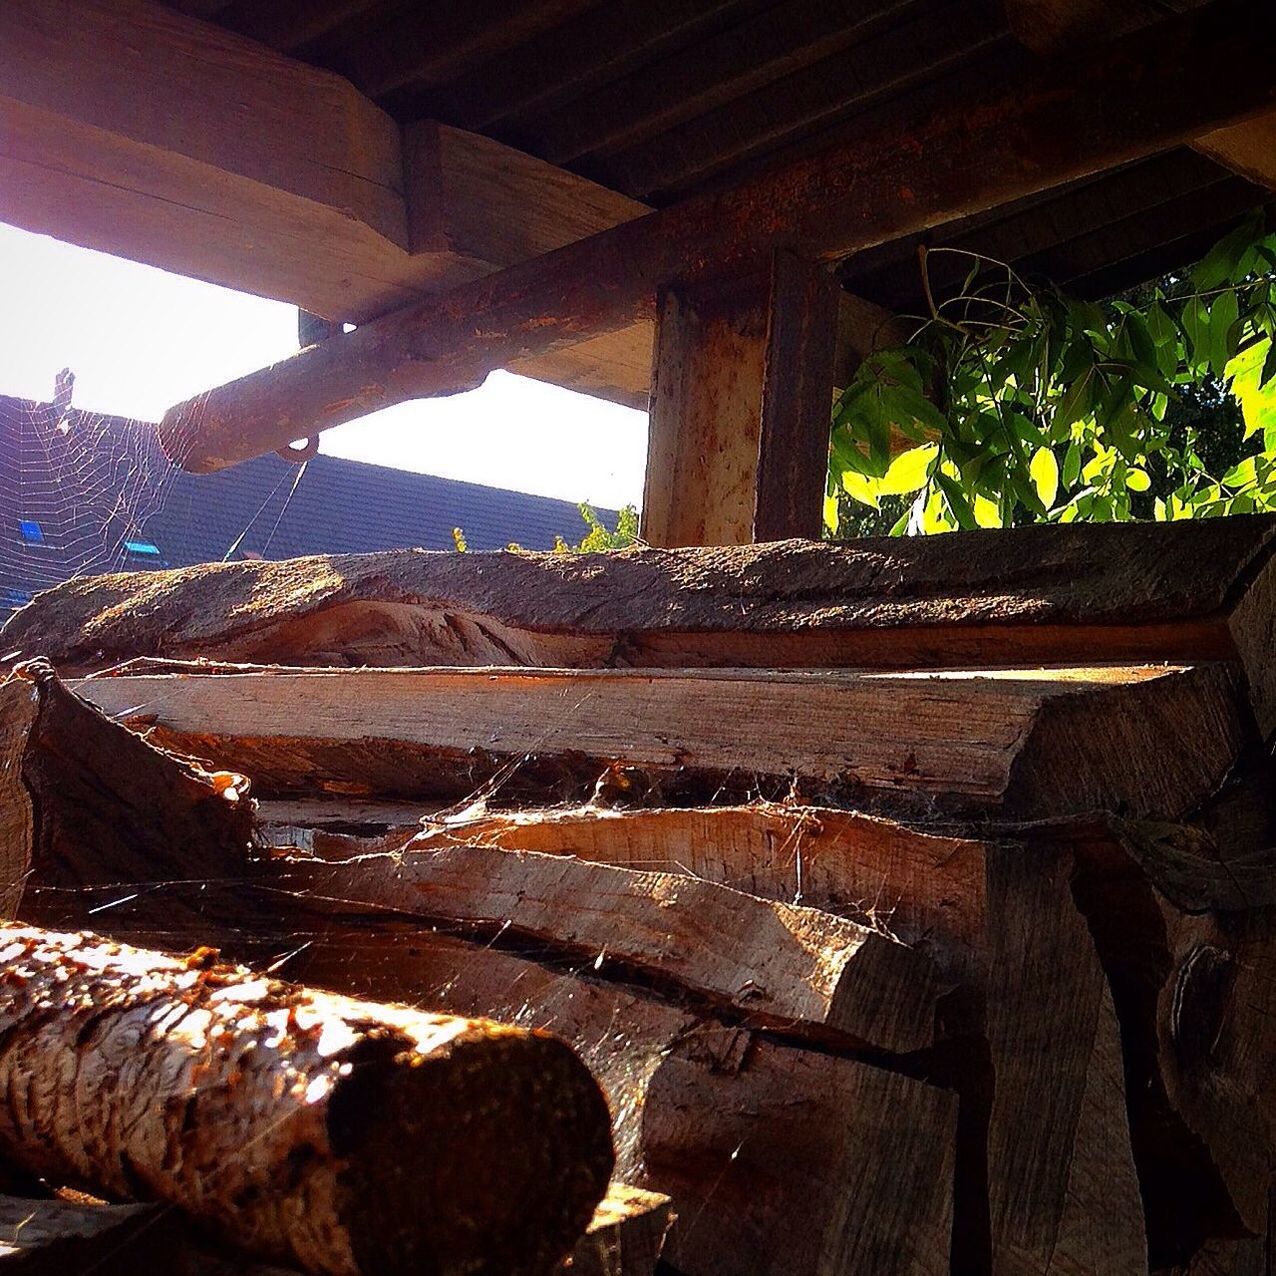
{"points": [[1053, 26], [1025, 743], [778, 964], [1178, 592], [1035, 130]]}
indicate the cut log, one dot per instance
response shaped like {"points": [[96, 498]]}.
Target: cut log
{"points": [[1029, 743], [341, 1136], [780, 965], [1180, 592], [778, 1159], [626, 1235], [93, 817], [1062, 1186], [928, 889], [51, 1237]]}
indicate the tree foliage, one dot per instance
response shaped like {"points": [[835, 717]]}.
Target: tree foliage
{"points": [[1015, 403]]}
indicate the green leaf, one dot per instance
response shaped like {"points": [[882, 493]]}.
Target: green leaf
{"points": [[957, 502], [1044, 470], [909, 471], [1137, 480]]}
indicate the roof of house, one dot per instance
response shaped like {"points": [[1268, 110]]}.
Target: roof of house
{"points": [[96, 494]]}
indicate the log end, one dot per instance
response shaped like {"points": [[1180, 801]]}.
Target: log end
{"points": [[510, 1128]]}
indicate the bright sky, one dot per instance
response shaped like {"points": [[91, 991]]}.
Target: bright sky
{"points": [[140, 339]]}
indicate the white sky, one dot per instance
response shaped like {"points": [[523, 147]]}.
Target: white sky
{"points": [[139, 339]]}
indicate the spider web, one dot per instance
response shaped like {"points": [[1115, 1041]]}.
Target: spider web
{"points": [[76, 491]]}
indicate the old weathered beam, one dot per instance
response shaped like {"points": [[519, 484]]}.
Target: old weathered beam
{"points": [[1020, 131], [337, 1135], [1054, 26], [741, 385], [1026, 743], [130, 128]]}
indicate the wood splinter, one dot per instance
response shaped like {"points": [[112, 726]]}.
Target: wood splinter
{"points": [[340, 1136]]}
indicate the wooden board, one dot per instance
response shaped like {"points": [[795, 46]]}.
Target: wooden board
{"points": [[137, 131], [780, 965], [1178, 592], [1028, 743], [1051, 26]]}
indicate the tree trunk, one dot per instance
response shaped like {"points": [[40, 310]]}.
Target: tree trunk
{"points": [[307, 1128]]}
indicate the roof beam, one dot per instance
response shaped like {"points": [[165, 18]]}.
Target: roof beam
{"points": [[139, 131], [1002, 136], [1055, 26]]}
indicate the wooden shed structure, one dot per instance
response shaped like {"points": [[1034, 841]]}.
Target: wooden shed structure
{"points": [[908, 906], [473, 184]]}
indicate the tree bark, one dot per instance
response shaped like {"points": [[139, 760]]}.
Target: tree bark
{"points": [[304, 1127], [1179, 592]]}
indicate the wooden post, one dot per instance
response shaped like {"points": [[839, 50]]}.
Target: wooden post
{"points": [[741, 387]]}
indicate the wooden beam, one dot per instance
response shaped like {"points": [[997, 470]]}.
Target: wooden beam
{"points": [[742, 379], [133, 129], [1017, 131], [1053, 26], [1021, 743], [1248, 149]]}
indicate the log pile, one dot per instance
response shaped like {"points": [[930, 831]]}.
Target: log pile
{"points": [[913, 903]]}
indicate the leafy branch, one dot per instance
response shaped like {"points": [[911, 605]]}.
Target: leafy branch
{"points": [[1013, 402]]}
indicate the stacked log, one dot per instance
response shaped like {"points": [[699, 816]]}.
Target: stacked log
{"points": [[914, 903]]}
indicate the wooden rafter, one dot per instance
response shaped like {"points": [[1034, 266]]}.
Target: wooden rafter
{"points": [[1017, 131], [146, 133], [1053, 26]]}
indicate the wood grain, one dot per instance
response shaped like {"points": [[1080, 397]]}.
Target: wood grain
{"points": [[1178, 592], [1043, 742], [779, 964]]}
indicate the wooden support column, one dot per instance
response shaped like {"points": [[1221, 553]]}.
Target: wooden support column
{"points": [[741, 386]]}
